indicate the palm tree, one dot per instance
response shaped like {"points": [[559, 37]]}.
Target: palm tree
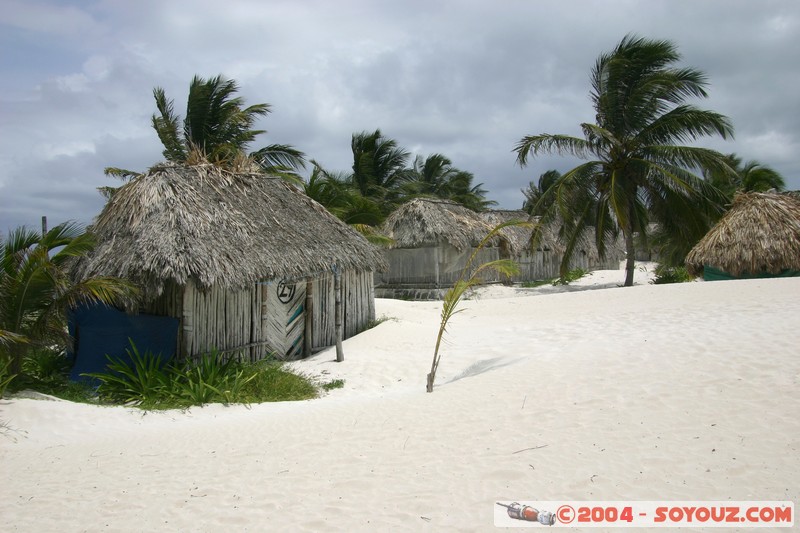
{"points": [[379, 165], [748, 177], [217, 128], [436, 176], [338, 195], [636, 170], [36, 289], [536, 191]]}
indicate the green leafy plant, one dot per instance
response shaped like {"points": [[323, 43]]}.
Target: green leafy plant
{"points": [[149, 384], [573, 275], [47, 365], [537, 283], [334, 384], [273, 382], [671, 274], [145, 380], [467, 279]]}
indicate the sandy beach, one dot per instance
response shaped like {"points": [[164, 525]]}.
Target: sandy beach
{"points": [[655, 392]]}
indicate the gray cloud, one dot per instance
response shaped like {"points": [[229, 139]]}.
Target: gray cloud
{"points": [[464, 78]]}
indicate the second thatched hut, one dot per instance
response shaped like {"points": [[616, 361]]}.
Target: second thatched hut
{"points": [[433, 240]]}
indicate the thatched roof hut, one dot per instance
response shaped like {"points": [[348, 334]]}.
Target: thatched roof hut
{"points": [[220, 229], [238, 258], [758, 236], [429, 222]]}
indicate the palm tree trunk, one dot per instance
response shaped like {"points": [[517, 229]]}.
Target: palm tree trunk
{"points": [[17, 352], [630, 256]]}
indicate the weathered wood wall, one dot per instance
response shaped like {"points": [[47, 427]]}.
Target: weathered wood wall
{"points": [[435, 267], [266, 319], [358, 306], [440, 267]]}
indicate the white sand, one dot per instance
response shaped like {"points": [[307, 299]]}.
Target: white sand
{"points": [[680, 392]]}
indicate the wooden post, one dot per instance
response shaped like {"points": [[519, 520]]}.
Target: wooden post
{"points": [[337, 289], [44, 226], [309, 333]]}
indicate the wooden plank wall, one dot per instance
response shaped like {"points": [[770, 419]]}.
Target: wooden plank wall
{"points": [[358, 306], [219, 319], [256, 320]]}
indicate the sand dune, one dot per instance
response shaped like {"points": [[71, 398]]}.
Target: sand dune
{"points": [[680, 392]]}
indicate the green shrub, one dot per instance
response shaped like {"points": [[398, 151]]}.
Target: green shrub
{"points": [[145, 380], [47, 365], [147, 383], [272, 382], [573, 275], [334, 384], [537, 283], [671, 274]]}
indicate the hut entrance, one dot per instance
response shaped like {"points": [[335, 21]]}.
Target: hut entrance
{"points": [[283, 316]]}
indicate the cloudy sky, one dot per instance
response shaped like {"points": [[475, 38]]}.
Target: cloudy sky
{"points": [[465, 78]]}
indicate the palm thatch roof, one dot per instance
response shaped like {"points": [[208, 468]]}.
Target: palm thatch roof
{"points": [[429, 222], [516, 238], [759, 234], [219, 227]]}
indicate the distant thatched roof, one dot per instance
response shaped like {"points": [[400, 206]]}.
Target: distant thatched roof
{"points": [[219, 228], [759, 234], [516, 238], [429, 222]]}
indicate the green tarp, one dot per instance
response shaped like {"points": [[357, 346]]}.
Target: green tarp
{"points": [[714, 274]]}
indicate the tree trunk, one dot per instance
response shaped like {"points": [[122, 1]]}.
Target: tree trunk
{"points": [[17, 352], [630, 253]]}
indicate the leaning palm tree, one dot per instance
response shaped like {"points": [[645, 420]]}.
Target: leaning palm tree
{"points": [[217, 128], [36, 289], [637, 170]]}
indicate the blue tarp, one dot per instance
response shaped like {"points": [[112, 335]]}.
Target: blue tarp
{"points": [[100, 330]]}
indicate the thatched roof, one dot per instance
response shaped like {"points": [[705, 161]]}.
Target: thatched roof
{"points": [[430, 222], [516, 238], [219, 228], [759, 234]]}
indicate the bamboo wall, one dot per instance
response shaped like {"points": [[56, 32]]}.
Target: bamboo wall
{"points": [[269, 318], [440, 267], [434, 267], [358, 306]]}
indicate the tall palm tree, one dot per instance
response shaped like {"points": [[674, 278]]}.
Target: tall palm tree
{"points": [[636, 169], [36, 289]]}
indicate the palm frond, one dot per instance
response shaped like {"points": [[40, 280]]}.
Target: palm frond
{"points": [[547, 143]]}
